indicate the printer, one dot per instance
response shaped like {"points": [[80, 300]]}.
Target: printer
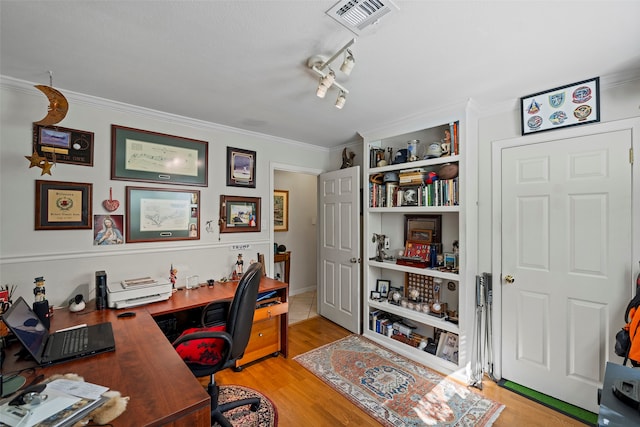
{"points": [[135, 292]]}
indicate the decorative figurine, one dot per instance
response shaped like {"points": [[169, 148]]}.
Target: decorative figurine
{"points": [[379, 239], [239, 266], [39, 291], [347, 159], [173, 276]]}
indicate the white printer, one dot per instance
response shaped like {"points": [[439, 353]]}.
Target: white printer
{"points": [[134, 292]]}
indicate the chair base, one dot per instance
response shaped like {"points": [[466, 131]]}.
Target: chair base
{"points": [[218, 410]]}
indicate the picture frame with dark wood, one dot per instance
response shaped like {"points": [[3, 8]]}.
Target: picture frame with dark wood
{"points": [[162, 214], [63, 205], [241, 168], [382, 286], [146, 156], [423, 228], [63, 145], [569, 105], [280, 210], [239, 214]]}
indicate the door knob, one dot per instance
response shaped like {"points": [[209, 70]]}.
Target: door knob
{"points": [[354, 260], [509, 278]]}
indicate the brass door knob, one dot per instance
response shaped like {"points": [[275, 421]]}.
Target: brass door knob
{"points": [[509, 278]]}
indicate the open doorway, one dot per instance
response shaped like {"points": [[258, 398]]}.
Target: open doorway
{"points": [[299, 237]]}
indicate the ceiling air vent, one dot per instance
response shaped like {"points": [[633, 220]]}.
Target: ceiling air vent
{"points": [[357, 15]]}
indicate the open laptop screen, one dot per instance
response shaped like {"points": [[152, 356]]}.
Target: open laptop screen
{"points": [[26, 325]]}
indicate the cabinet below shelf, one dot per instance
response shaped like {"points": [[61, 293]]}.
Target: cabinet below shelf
{"points": [[416, 316], [424, 271]]}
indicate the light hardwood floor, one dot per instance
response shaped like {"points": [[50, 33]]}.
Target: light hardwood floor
{"points": [[304, 400]]}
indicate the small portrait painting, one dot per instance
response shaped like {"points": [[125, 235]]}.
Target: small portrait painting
{"points": [[107, 230]]}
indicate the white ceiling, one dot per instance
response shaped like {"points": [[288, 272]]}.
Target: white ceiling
{"points": [[243, 63]]}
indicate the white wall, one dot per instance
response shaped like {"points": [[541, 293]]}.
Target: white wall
{"points": [[301, 238], [67, 258]]}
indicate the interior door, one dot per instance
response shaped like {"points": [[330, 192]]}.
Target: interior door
{"points": [[566, 245], [339, 269]]}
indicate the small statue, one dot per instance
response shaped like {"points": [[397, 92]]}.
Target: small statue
{"points": [[39, 291], [379, 239], [173, 276], [347, 159], [239, 266]]}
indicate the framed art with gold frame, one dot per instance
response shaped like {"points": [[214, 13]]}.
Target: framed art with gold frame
{"points": [[239, 214], [280, 210]]}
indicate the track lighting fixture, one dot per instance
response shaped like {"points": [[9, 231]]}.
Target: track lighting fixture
{"points": [[342, 98], [348, 63], [328, 78]]}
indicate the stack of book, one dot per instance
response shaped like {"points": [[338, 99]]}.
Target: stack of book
{"points": [[412, 176]]}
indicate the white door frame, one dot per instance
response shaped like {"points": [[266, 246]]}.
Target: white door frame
{"points": [[496, 203], [273, 166]]}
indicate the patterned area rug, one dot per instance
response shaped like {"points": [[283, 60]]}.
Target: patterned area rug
{"points": [[266, 416], [395, 390]]}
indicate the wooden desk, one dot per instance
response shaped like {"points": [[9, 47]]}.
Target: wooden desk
{"points": [[286, 258], [145, 366]]}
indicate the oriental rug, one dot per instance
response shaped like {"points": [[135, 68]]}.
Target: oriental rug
{"points": [[265, 416], [395, 390]]}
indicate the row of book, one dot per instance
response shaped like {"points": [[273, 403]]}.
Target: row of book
{"points": [[455, 139], [439, 193]]}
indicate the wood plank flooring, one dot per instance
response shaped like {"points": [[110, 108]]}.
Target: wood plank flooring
{"points": [[304, 400]]}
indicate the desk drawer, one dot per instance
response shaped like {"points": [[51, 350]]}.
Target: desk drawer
{"points": [[270, 311], [264, 340]]}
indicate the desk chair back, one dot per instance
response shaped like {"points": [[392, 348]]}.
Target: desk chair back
{"points": [[242, 309]]}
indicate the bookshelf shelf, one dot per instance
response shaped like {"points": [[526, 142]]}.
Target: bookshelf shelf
{"points": [[449, 287]]}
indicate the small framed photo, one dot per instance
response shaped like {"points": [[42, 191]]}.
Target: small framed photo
{"points": [[239, 214], [450, 261], [375, 295], [569, 105], [382, 287], [63, 205], [241, 168], [410, 196], [63, 145]]}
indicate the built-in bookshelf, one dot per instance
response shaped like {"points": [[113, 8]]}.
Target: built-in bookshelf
{"points": [[419, 258]]}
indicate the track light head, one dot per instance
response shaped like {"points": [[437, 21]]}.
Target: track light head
{"points": [[342, 98], [328, 79], [348, 63], [322, 90]]}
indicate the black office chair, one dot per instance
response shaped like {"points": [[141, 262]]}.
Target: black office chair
{"points": [[207, 350]]}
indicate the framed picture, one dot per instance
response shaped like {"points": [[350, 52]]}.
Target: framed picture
{"points": [[280, 210], [239, 214], [410, 196], [241, 168], [417, 250], [450, 261], [63, 145], [570, 105], [448, 347], [423, 228], [161, 214], [382, 286], [375, 295], [63, 205], [145, 156], [107, 230]]}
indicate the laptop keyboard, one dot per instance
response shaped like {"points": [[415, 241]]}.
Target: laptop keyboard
{"points": [[75, 340]]}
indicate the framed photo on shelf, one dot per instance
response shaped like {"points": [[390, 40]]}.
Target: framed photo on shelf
{"points": [[375, 295], [382, 286], [145, 156], [569, 105], [241, 168], [423, 228], [280, 210], [63, 145], [448, 347], [239, 214], [63, 205], [162, 214]]}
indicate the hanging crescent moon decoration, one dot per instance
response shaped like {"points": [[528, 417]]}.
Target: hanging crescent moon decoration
{"points": [[58, 106]]}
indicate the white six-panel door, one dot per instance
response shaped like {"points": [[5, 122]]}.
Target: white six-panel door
{"points": [[566, 243], [339, 236]]}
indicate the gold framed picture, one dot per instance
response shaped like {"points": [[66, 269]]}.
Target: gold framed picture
{"points": [[280, 210]]}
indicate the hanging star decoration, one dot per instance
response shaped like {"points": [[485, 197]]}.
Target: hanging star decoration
{"points": [[42, 162]]}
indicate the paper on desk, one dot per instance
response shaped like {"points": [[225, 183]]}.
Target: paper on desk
{"points": [[78, 388]]}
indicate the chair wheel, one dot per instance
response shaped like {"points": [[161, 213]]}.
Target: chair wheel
{"points": [[276, 354], [254, 407], [238, 368]]}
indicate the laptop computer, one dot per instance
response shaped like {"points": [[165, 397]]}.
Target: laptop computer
{"points": [[49, 348]]}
